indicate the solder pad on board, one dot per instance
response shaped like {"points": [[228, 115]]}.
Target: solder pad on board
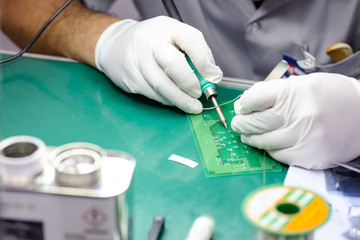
{"points": [[222, 151]]}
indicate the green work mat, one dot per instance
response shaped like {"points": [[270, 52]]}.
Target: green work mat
{"points": [[61, 102], [222, 152]]}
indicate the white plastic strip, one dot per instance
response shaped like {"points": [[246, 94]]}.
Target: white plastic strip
{"points": [[182, 160], [278, 71]]}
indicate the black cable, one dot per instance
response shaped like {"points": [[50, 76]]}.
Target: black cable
{"points": [[172, 10], [37, 35]]}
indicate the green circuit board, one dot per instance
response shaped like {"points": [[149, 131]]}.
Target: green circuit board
{"points": [[222, 152]]}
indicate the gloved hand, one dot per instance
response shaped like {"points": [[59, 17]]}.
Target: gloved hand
{"points": [[311, 121], [143, 57]]}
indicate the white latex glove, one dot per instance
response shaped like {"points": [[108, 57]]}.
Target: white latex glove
{"points": [[311, 121], [143, 57]]}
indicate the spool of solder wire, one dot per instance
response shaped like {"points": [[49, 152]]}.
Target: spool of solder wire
{"points": [[284, 212]]}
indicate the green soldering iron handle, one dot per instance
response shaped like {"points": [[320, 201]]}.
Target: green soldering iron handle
{"points": [[207, 87]]}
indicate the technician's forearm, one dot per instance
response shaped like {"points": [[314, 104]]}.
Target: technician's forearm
{"points": [[73, 33]]}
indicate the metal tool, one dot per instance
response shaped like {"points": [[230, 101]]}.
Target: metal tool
{"points": [[157, 228], [207, 87]]}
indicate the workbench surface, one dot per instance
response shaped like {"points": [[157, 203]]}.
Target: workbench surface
{"points": [[61, 102]]}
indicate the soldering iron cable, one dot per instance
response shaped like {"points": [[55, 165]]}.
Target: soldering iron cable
{"points": [[38, 34]]}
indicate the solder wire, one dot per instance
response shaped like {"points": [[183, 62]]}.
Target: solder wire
{"points": [[19, 54], [222, 104], [278, 71]]}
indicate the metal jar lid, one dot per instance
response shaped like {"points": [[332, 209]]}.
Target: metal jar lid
{"points": [[77, 164], [21, 158]]}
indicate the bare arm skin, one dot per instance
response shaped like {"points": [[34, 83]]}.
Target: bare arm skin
{"points": [[73, 33]]}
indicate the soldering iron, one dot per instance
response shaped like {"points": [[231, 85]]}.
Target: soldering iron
{"points": [[207, 87]]}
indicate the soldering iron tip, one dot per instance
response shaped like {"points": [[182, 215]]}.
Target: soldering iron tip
{"points": [[226, 126]]}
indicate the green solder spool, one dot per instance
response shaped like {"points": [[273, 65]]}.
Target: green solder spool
{"points": [[286, 213]]}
